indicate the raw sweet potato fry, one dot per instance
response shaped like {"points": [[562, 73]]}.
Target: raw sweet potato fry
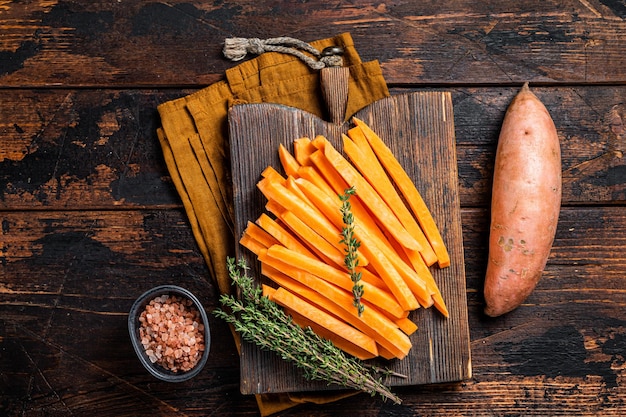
{"points": [[406, 325], [251, 244], [274, 207], [332, 177], [256, 232], [270, 173], [322, 301], [372, 244], [367, 194], [314, 241], [325, 304], [319, 300], [330, 205], [411, 194], [303, 253], [419, 266], [310, 173], [371, 322], [369, 247], [289, 163], [364, 159], [338, 327], [290, 201], [318, 247], [319, 142], [338, 277], [291, 185], [341, 343], [302, 149], [337, 183], [282, 235]]}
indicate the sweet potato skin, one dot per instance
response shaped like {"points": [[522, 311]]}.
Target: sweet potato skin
{"points": [[525, 205]]}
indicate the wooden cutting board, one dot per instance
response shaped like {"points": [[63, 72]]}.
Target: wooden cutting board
{"points": [[419, 129]]}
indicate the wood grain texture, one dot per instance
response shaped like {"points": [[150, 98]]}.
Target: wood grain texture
{"points": [[89, 217], [102, 146], [179, 42], [83, 272], [419, 129]]}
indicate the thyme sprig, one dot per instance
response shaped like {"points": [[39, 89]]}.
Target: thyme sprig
{"points": [[351, 258], [261, 321]]}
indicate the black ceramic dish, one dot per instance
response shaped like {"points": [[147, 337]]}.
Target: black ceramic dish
{"points": [[134, 325]]}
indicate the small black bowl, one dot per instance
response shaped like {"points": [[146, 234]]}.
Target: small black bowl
{"points": [[133, 328]]}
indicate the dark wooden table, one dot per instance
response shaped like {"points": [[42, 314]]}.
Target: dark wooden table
{"points": [[90, 218]]}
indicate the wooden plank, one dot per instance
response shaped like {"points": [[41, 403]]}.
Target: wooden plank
{"points": [[37, 247], [419, 128], [573, 322], [63, 143], [68, 280], [83, 149], [179, 42]]}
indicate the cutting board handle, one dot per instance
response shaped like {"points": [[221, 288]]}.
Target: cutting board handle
{"points": [[334, 84]]}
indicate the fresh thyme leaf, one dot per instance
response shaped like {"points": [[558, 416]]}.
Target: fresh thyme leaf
{"points": [[351, 259], [261, 321]]}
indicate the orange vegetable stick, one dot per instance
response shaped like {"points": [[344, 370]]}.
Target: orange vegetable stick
{"points": [[271, 173], [321, 248], [424, 273], [267, 291], [381, 262], [384, 353], [410, 277], [329, 173], [371, 322], [289, 163], [411, 194], [364, 159], [273, 207], [320, 300], [256, 232], [375, 280], [311, 174], [378, 207], [406, 325], [291, 202], [369, 247], [376, 296], [291, 301], [338, 184], [252, 244], [319, 142], [343, 344], [302, 149], [293, 187], [282, 235], [312, 239]]}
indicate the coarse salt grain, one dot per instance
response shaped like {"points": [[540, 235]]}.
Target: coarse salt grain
{"points": [[171, 334]]}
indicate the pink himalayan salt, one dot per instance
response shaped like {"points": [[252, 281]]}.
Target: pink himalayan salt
{"points": [[171, 333]]}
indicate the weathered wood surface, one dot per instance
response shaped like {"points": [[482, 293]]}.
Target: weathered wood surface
{"points": [[99, 145], [89, 217], [179, 42]]}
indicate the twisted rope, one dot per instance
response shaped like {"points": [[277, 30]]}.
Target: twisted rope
{"points": [[236, 49]]}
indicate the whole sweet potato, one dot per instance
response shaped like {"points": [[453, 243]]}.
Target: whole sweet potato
{"points": [[525, 205]]}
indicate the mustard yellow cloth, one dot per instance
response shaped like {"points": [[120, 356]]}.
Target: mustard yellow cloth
{"points": [[194, 140]]}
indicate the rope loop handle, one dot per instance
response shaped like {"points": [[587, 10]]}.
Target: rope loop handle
{"points": [[237, 49]]}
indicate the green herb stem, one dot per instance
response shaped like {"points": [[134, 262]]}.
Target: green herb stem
{"points": [[260, 321], [351, 258]]}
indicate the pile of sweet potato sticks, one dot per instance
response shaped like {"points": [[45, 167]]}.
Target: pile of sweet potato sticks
{"points": [[300, 248]]}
